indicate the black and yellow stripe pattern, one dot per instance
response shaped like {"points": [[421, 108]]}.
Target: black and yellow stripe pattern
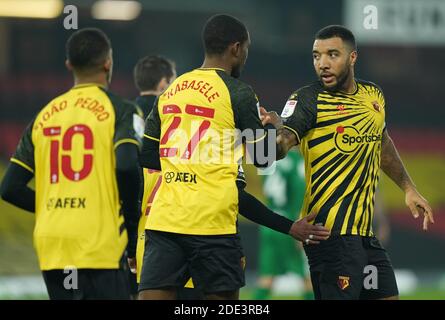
{"points": [[342, 156]]}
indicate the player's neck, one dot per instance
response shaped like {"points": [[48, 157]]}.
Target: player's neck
{"points": [[216, 62], [99, 79], [350, 86]]}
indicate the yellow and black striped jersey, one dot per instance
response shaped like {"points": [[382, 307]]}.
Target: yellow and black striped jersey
{"points": [[194, 121], [340, 136], [70, 149]]}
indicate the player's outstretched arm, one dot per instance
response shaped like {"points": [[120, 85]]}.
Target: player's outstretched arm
{"points": [[129, 182], [286, 139], [251, 208], [393, 167], [14, 188]]}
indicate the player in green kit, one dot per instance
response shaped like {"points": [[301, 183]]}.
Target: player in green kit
{"points": [[278, 253]]}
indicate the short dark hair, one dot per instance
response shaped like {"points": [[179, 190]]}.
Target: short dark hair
{"points": [[220, 31], [337, 31], [150, 70], [87, 48]]}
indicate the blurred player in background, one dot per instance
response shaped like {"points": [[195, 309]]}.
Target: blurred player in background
{"points": [[279, 254], [192, 226], [152, 75], [340, 123], [83, 150]]}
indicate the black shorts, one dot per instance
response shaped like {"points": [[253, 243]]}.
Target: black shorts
{"points": [[88, 284], [215, 263], [351, 267]]}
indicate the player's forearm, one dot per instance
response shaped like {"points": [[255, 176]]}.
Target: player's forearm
{"points": [[149, 157], [129, 181], [392, 164], [282, 151], [14, 188], [285, 141], [251, 208]]}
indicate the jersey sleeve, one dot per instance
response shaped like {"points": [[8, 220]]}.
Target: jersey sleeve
{"points": [[300, 112], [241, 178], [246, 106], [129, 127], [153, 124], [24, 154], [381, 101]]}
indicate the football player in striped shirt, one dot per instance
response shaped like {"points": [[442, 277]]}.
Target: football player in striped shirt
{"points": [[339, 123]]}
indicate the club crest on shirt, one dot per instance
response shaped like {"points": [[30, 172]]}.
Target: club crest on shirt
{"points": [[343, 282], [376, 106], [289, 108]]}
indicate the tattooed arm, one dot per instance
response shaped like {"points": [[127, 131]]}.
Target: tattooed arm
{"points": [[393, 167], [286, 139]]}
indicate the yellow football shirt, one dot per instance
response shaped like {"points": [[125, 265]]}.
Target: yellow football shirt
{"points": [[340, 136], [194, 121], [70, 149]]}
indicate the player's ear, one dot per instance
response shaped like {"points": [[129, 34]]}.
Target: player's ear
{"points": [[353, 57], [108, 64], [162, 85], [68, 65], [235, 49]]}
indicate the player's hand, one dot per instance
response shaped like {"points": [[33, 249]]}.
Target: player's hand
{"points": [[270, 117], [132, 264], [419, 205], [308, 233]]}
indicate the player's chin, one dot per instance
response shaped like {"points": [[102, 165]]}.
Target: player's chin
{"points": [[328, 85], [236, 73]]}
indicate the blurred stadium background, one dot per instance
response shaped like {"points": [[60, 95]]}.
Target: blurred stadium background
{"points": [[405, 55]]}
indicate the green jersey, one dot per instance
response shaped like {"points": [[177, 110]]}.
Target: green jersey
{"points": [[284, 189]]}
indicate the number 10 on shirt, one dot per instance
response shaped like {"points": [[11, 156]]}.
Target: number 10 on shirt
{"points": [[67, 143]]}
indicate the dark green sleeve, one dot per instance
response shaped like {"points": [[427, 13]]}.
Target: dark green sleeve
{"points": [[129, 126], [153, 124], [24, 154], [300, 112]]}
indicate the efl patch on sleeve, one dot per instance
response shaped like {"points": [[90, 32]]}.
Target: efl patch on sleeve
{"points": [[289, 108], [138, 126]]}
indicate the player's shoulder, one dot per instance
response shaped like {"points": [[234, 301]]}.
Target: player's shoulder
{"points": [[185, 78], [369, 84], [308, 91], [305, 97], [122, 105], [57, 103], [116, 99], [237, 88]]}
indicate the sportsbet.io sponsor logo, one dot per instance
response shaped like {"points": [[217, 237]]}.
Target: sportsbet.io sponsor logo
{"points": [[348, 139]]}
